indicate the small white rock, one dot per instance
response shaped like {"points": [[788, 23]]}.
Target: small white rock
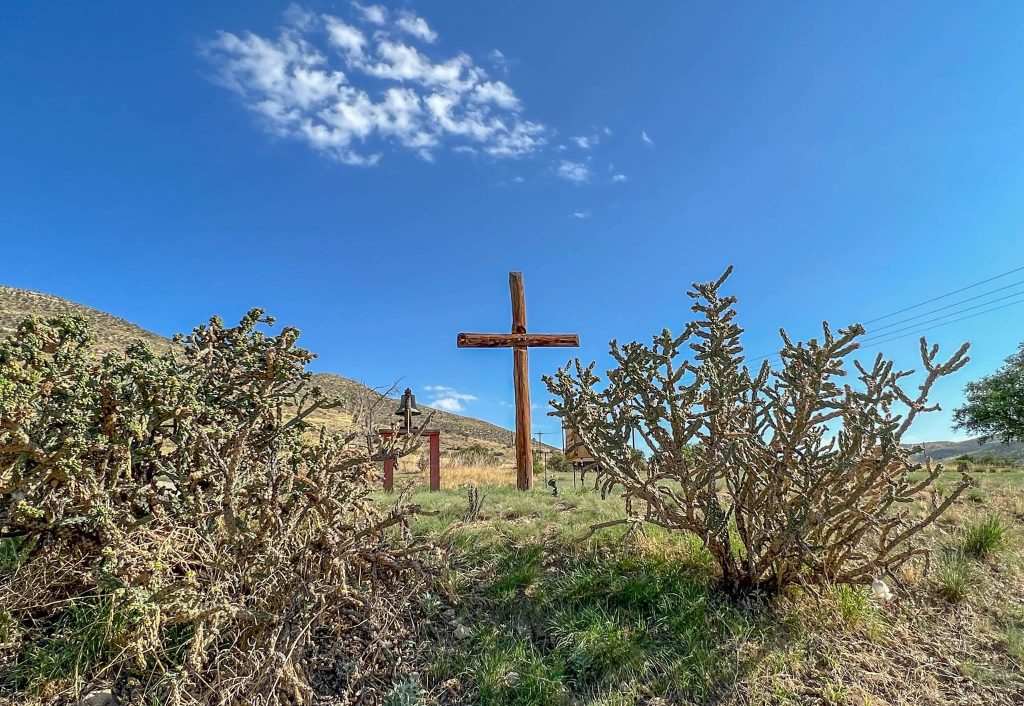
{"points": [[881, 591], [100, 697], [462, 632]]}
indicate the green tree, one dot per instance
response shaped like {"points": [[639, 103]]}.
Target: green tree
{"points": [[995, 404]]}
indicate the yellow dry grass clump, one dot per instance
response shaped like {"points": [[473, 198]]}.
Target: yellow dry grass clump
{"points": [[455, 476]]}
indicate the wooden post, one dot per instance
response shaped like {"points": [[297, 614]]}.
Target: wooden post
{"points": [[521, 384], [435, 462], [434, 439]]}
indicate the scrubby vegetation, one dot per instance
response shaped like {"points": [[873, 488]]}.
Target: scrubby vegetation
{"points": [[179, 529], [536, 612], [788, 475], [176, 530]]}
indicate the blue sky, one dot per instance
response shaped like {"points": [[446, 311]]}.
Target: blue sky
{"points": [[372, 173]]}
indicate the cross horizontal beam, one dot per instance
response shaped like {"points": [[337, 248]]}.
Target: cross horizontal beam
{"points": [[518, 340]]}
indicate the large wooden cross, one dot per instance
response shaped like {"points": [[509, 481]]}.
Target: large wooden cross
{"points": [[520, 342]]}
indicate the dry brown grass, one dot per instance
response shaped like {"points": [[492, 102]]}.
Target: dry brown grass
{"points": [[454, 476]]}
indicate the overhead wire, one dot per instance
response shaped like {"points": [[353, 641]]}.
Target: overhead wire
{"points": [[886, 336]]}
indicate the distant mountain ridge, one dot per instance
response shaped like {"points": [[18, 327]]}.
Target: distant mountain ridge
{"points": [[112, 333], [939, 450]]}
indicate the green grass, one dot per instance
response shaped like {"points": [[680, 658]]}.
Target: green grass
{"points": [[10, 556], [954, 576], [86, 633], [614, 621], [1013, 638], [570, 628], [980, 540], [855, 605], [512, 671]]}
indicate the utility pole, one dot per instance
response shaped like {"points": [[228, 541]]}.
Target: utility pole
{"points": [[543, 455]]}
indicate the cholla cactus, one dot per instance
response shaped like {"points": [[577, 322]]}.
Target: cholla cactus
{"points": [[787, 475], [191, 489]]}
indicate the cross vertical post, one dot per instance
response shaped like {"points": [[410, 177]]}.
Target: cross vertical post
{"points": [[521, 384], [520, 342]]}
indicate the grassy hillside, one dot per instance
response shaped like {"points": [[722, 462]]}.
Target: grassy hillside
{"points": [[112, 333]]}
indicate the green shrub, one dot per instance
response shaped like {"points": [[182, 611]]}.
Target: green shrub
{"points": [[558, 463], [473, 455]]}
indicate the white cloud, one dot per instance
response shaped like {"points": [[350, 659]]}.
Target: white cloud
{"points": [[647, 140], [575, 172], [363, 92], [584, 143], [580, 214], [409, 23], [448, 398], [617, 178], [345, 37], [374, 14]]}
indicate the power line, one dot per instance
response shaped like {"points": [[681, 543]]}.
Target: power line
{"points": [[919, 324], [947, 294], [969, 316], [950, 306], [929, 301]]}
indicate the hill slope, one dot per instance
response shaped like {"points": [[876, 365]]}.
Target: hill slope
{"points": [[939, 450], [112, 333]]}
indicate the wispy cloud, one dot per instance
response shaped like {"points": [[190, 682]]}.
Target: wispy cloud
{"points": [[580, 214], [354, 88], [374, 14], [618, 178], [646, 138], [410, 23], [448, 398], [586, 142], [575, 172]]}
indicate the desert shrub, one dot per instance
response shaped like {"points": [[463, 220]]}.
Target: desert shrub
{"points": [[786, 474], [558, 463], [183, 528], [979, 540], [473, 455]]}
